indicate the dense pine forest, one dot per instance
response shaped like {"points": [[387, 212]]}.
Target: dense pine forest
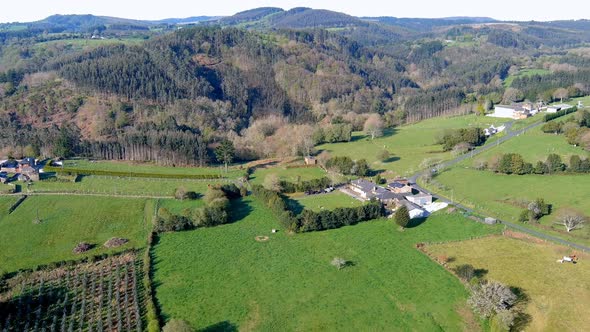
{"points": [[265, 79]]}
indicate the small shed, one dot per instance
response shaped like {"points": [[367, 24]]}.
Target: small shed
{"points": [[309, 160], [490, 221]]}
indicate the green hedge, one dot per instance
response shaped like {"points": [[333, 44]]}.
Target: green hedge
{"points": [[69, 171], [313, 184], [153, 323], [551, 116]]}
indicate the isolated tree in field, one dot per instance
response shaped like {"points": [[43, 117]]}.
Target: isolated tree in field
{"points": [[374, 126], [465, 272], [571, 219], [177, 325], [339, 263], [225, 153], [402, 216], [491, 298], [560, 94], [383, 155], [272, 182]]}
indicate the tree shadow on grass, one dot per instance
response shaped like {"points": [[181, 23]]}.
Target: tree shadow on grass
{"points": [[240, 209], [294, 205], [416, 222], [522, 319], [392, 159], [225, 326]]}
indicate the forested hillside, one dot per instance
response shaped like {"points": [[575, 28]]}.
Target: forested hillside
{"points": [[170, 96]]}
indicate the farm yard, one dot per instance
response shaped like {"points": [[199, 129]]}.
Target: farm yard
{"points": [[408, 145], [284, 282], [65, 222], [558, 294], [101, 296]]}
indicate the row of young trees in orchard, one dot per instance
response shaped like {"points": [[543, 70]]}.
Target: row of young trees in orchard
{"points": [[91, 297]]}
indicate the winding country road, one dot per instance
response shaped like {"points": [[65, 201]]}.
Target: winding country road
{"points": [[509, 134]]}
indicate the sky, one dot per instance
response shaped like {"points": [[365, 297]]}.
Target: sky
{"points": [[520, 10]]}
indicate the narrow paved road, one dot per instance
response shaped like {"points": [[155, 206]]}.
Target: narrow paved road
{"points": [[509, 134]]}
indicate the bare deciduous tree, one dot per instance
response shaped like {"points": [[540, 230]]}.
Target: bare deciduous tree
{"points": [[571, 220], [339, 262], [491, 298], [560, 94], [374, 126]]}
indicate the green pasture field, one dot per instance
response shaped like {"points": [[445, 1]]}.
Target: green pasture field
{"points": [[408, 145], [558, 294], [522, 73], [288, 174], [65, 222], [177, 206], [222, 277], [96, 184], [5, 203], [534, 145], [132, 167], [505, 196], [331, 201]]}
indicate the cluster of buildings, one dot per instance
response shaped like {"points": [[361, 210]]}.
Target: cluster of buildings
{"points": [[395, 194], [26, 169], [524, 110]]}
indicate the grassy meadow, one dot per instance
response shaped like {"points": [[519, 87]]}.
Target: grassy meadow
{"points": [[535, 145], [6, 202], [504, 196], [331, 201], [523, 73], [559, 294], [65, 222], [141, 167], [408, 145], [222, 277], [97, 184], [177, 206], [288, 174]]}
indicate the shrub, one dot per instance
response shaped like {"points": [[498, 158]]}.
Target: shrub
{"points": [[181, 193], [303, 186], [465, 272], [402, 216]]}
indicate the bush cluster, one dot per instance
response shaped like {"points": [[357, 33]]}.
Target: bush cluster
{"points": [[215, 212], [277, 204], [535, 210], [347, 166], [340, 132], [471, 136], [302, 186], [309, 221], [514, 163]]}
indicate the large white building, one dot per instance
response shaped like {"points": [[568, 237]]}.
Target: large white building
{"points": [[518, 111], [557, 108]]}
